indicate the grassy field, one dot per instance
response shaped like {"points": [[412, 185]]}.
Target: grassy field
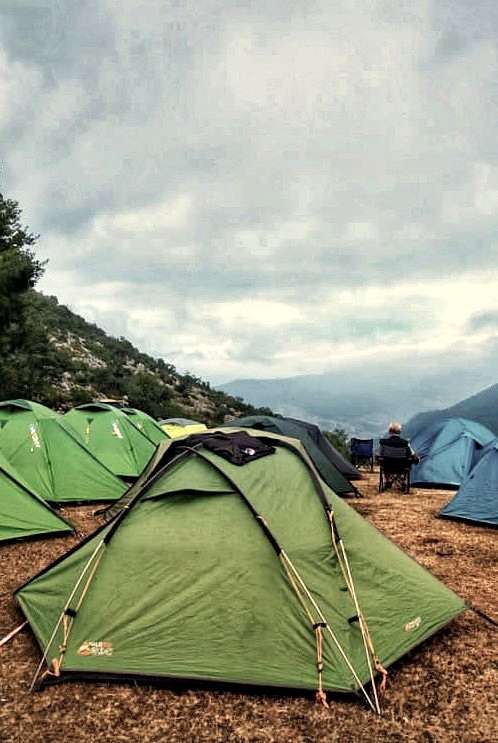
{"points": [[446, 690]]}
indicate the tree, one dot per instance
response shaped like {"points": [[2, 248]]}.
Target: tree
{"points": [[19, 272], [19, 269], [339, 439], [146, 392]]}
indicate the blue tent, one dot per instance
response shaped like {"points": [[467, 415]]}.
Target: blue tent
{"points": [[477, 499], [448, 450]]}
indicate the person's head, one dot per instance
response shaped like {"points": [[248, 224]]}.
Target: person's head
{"points": [[395, 427]]}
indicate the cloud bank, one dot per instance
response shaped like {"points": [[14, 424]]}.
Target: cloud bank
{"points": [[261, 191]]}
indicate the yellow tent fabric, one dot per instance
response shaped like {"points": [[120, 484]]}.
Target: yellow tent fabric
{"points": [[175, 430], [176, 427]]}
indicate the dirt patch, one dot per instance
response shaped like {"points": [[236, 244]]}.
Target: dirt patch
{"points": [[444, 691]]}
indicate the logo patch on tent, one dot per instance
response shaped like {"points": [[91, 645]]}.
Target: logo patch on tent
{"points": [[116, 431], [414, 624], [91, 647], [34, 437]]}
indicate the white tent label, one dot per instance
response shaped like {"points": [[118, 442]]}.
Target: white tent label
{"points": [[414, 624], [92, 647], [34, 437]]}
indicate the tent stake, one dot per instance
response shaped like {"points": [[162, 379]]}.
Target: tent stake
{"points": [[12, 634]]}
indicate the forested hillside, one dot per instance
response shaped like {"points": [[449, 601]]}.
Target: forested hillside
{"points": [[53, 356]]}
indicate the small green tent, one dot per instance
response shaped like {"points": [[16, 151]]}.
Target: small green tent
{"points": [[22, 512], [112, 438], [51, 457], [146, 425], [249, 574]]}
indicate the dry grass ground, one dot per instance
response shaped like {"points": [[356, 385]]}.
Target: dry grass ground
{"points": [[446, 690]]}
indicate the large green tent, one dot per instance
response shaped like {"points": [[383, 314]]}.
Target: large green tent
{"points": [[112, 438], [51, 457], [246, 574], [313, 441], [146, 424], [22, 512]]}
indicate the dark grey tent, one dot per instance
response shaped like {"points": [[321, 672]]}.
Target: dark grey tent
{"points": [[324, 463], [346, 468]]}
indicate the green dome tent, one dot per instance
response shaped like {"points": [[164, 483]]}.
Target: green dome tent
{"points": [[51, 457], [112, 438], [22, 512], [232, 573], [146, 425], [311, 438]]}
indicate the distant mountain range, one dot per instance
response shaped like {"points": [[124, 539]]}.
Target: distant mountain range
{"points": [[363, 400], [482, 408]]}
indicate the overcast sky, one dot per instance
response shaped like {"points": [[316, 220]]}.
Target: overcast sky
{"points": [[260, 189]]}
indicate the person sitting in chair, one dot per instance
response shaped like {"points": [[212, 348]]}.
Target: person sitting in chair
{"points": [[395, 441]]}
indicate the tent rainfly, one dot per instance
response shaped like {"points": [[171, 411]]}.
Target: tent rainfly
{"points": [[146, 425], [448, 450], [477, 499], [22, 512], [112, 438], [312, 440], [51, 457], [235, 563]]}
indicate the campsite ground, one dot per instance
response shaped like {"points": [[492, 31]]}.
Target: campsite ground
{"points": [[445, 690]]}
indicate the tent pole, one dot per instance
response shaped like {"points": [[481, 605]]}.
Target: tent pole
{"points": [[331, 633], [348, 578], [61, 617]]}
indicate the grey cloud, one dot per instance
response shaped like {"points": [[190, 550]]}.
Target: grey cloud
{"points": [[266, 115], [484, 321], [461, 24]]}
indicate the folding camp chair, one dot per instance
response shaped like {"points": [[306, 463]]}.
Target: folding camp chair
{"points": [[362, 453], [395, 465]]}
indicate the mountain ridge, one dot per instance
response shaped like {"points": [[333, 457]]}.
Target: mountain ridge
{"points": [[362, 400], [481, 407]]}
